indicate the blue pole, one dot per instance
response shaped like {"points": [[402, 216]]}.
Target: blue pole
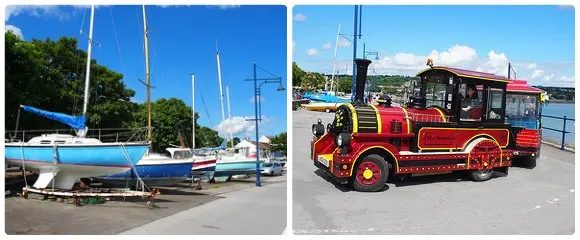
{"points": [[354, 52], [258, 184], [563, 134]]}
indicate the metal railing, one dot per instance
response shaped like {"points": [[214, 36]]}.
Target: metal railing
{"points": [[563, 131], [103, 134]]}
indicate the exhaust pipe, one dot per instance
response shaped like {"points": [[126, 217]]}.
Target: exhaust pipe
{"points": [[362, 66]]}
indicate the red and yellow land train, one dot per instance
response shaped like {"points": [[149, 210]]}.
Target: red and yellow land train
{"points": [[442, 129]]}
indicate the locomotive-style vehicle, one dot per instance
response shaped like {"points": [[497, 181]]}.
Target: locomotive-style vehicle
{"points": [[456, 120]]}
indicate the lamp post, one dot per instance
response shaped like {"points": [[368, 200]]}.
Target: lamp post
{"points": [[365, 54], [258, 113]]}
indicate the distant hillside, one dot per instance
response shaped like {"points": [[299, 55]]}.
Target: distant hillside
{"points": [[559, 93]]}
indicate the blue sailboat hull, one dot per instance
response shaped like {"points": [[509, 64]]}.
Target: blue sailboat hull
{"points": [[87, 155], [162, 174], [228, 169]]}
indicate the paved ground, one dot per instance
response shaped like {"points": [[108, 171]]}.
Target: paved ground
{"points": [[253, 211], [36, 216], [537, 201]]}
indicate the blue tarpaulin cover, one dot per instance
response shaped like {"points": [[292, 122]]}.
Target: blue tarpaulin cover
{"points": [[77, 122]]}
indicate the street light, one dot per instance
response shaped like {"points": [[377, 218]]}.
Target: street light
{"points": [[258, 113], [365, 53]]}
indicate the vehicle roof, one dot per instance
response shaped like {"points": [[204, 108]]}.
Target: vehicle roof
{"points": [[522, 86], [481, 76], [519, 86]]}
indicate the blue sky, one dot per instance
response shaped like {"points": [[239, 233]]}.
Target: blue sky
{"points": [[182, 40], [537, 40]]}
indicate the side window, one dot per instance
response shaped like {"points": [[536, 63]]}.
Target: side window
{"points": [[471, 102], [494, 101]]}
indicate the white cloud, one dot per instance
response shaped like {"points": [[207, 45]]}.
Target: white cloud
{"points": [[344, 43], [239, 125], [536, 73], [41, 11], [14, 30], [299, 17], [253, 99], [496, 64], [312, 52], [565, 80], [549, 78], [409, 64], [223, 7], [326, 46], [458, 56]]}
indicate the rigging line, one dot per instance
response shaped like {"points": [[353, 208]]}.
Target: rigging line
{"points": [[83, 22], [117, 40], [206, 111], [265, 71]]}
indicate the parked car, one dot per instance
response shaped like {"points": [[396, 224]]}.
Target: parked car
{"points": [[271, 168]]}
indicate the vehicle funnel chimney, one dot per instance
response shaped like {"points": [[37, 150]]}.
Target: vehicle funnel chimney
{"points": [[362, 66]]}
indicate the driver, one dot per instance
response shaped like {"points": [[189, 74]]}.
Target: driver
{"points": [[471, 98]]}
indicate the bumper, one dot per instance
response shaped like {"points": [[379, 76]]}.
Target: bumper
{"points": [[339, 166]]}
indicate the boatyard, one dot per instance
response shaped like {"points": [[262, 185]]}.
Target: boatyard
{"points": [[526, 201], [46, 217]]}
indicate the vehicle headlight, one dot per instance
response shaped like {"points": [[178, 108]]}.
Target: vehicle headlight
{"points": [[339, 140]]}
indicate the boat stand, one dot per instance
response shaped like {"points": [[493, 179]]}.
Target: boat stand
{"points": [[77, 195]]}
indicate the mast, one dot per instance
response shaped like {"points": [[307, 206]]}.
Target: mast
{"points": [[87, 76], [229, 116], [220, 83], [193, 110], [334, 61], [147, 75]]}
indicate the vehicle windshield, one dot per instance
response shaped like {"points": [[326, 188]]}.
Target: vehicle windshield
{"points": [[268, 164], [522, 110]]}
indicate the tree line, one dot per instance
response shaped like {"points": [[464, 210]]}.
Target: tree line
{"points": [[50, 75], [310, 81]]}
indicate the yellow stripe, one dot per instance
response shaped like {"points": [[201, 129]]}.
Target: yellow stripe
{"points": [[466, 142], [366, 149], [379, 123], [461, 75], [441, 112], [408, 121], [354, 118]]}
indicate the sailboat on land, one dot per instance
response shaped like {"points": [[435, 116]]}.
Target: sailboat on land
{"points": [[241, 162], [63, 159], [155, 169]]}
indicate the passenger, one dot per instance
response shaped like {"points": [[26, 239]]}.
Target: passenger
{"points": [[473, 99]]}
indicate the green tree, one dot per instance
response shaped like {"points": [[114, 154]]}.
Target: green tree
{"points": [[50, 75], [297, 74], [236, 141], [345, 84], [278, 143], [312, 81], [171, 118]]}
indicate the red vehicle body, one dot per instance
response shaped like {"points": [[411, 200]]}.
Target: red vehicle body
{"points": [[432, 134]]}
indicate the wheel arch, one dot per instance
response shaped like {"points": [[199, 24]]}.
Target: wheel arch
{"points": [[379, 150]]}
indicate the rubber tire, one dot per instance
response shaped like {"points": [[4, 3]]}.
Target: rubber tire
{"points": [[327, 110], [476, 177], [530, 162], [379, 161]]}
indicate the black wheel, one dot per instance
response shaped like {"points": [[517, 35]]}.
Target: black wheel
{"points": [[481, 175], [529, 162], [370, 174]]}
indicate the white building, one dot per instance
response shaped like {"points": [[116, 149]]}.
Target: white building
{"points": [[248, 148]]}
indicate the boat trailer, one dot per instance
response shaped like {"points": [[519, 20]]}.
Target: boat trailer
{"points": [[77, 195]]}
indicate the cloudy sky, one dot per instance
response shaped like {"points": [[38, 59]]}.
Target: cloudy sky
{"points": [[182, 40], [537, 40]]}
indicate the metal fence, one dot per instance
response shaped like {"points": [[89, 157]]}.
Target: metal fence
{"points": [[563, 131]]}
